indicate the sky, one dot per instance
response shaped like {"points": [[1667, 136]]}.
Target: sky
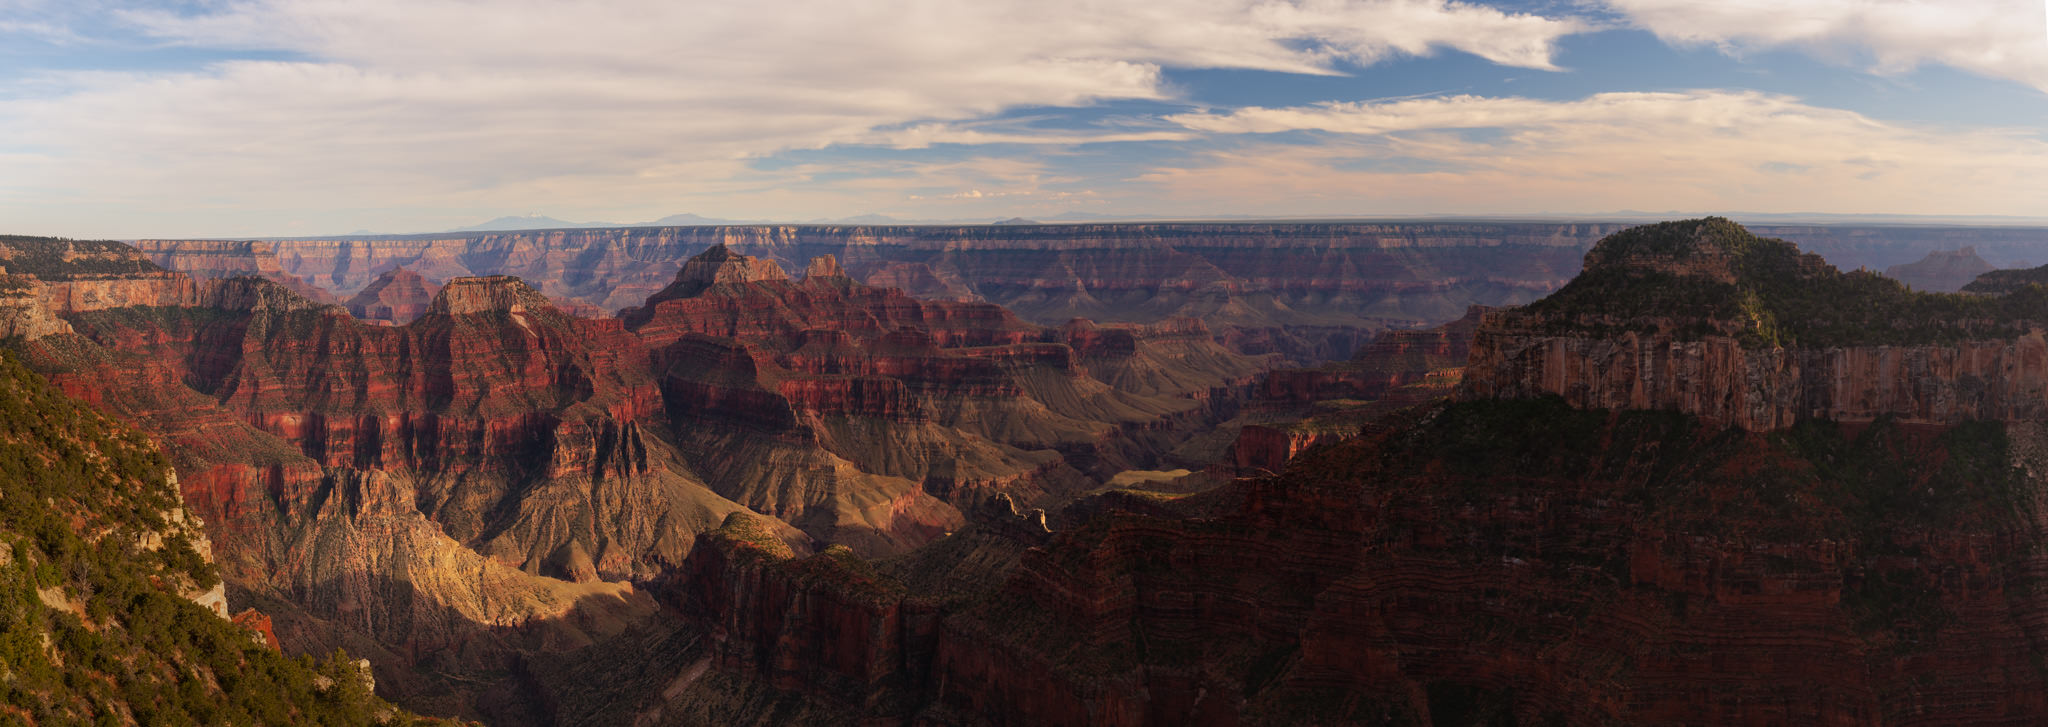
{"points": [[202, 118]]}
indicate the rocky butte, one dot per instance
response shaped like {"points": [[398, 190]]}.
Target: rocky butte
{"points": [[1942, 271], [398, 296]]}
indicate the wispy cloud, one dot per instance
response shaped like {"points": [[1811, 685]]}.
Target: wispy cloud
{"points": [[434, 102], [1998, 38], [1698, 150]]}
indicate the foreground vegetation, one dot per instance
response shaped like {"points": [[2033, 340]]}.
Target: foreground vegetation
{"points": [[94, 549]]}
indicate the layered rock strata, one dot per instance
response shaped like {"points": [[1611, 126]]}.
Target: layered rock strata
{"points": [[1747, 332], [498, 480], [397, 296]]}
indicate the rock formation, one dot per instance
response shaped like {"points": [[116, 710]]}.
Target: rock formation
{"points": [[1705, 318], [1308, 292], [397, 296], [1311, 292], [497, 480], [1942, 271], [2001, 282]]}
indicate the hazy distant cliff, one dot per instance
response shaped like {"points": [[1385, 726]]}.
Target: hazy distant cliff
{"points": [[1308, 291]]}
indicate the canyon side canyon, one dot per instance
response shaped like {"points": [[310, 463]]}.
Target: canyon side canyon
{"points": [[1134, 474]]}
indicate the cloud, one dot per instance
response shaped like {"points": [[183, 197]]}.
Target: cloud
{"points": [[2005, 39], [420, 103], [1696, 150]]}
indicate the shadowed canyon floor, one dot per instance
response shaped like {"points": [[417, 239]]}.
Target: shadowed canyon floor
{"points": [[1711, 479]]}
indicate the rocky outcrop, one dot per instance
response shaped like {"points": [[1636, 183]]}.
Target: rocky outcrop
{"points": [[43, 279], [2002, 282], [398, 296], [721, 266], [1942, 271], [493, 294], [1765, 389], [206, 259], [1704, 318], [824, 267], [259, 626], [1263, 449]]}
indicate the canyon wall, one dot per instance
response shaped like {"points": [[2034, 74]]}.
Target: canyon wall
{"points": [[1707, 318], [1309, 291], [1729, 384]]}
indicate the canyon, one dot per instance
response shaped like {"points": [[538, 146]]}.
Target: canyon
{"points": [[1284, 474], [1566, 541], [498, 478], [1309, 291]]}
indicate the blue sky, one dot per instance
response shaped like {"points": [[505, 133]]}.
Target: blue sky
{"points": [[306, 117]]}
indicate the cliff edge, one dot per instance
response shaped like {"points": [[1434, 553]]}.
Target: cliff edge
{"points": [[1703, 317]]}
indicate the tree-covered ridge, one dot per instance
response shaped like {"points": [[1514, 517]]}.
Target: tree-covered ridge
{"points": [[57, 258], [1696, 278], [91, 628], [2001, 282]]}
